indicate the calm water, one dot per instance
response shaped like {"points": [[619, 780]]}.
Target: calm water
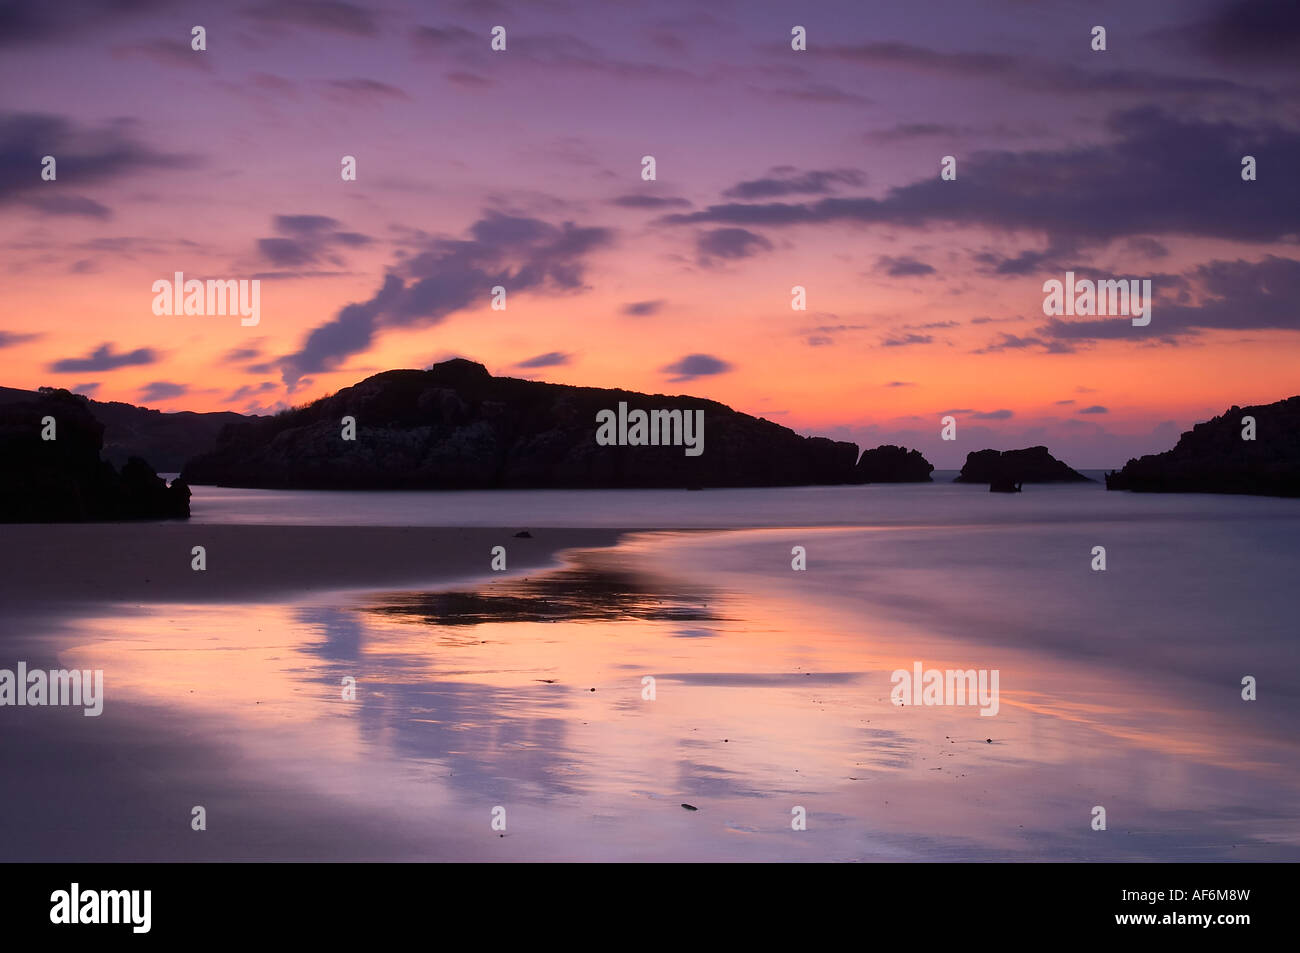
{"points": [[1119, 689]]}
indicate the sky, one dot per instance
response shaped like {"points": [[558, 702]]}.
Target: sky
{"points": [[774, 167]]}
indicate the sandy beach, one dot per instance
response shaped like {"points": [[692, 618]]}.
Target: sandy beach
{"points": [[610, 678]]}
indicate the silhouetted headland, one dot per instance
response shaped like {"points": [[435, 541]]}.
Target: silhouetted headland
{"points": [[1245, 450], [51, 471]]}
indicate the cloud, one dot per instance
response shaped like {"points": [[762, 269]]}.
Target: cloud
{"points": [[817, 93], [311, 238], [695, 365], [161, 390], [992, 415], [906, 339], [362, 91], [787, 180], [642, 309], [903, 267], [449, 275], [432, 39], [1094, 409], [1154, 161], [104, 358], [549, 359], [83, 154], [167, 52], [1229, 295], [1039, 75], [729, 243], [1249, 33], [14, 338], [23, 23], [332, 16], [649, 202], [1064, 402], [88, 389], [901, 384]]}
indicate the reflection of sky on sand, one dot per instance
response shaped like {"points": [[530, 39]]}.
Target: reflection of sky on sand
{"points": [[764, 701]]}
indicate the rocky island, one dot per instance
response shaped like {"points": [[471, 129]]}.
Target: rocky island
{"points": [[1004, 471]]}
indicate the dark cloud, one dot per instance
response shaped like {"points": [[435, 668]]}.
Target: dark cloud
{"points": [[787, 180], [549, 359], [901, 384], [25, 22], [903, 267], [449, 275], [312, 237], [249, 390], [1038, 75], [104, 358], [1159, 175], [433, 39], [172, 53], [161, 390], [992, 415], [641, 309], [1249, 33], [87, 389], [239, 355], [730, 243], [695, 365], [1230, 295], [68, 205], [332, 16], [1063, 402], [12, 338], [1094, 409], [819, 93], [83, 155], [906, 339], [362, 91], [649, 201]]}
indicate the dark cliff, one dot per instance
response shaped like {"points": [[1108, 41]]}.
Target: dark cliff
{"points": [[1213, 457], [64, 479]]}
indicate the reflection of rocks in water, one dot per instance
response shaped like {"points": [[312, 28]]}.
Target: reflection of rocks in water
{"points": [[595, 587]]}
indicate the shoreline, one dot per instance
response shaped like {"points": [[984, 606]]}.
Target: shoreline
{"points": [[71, 563]]}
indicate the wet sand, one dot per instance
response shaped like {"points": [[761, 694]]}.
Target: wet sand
{"points": [[768, 695]]}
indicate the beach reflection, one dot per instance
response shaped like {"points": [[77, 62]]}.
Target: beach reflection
{"points": [[533, 694]]}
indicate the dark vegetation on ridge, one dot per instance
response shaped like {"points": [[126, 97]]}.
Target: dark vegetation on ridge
{"points": [[1213, 457], [64, 479], [165, 439], [455, 426]]}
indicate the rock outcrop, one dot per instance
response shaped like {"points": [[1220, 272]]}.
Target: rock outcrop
{"points": [[1215, 457], [890, 464], [455, 426], [64, 479], [1030, 465], [164, 439]]}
